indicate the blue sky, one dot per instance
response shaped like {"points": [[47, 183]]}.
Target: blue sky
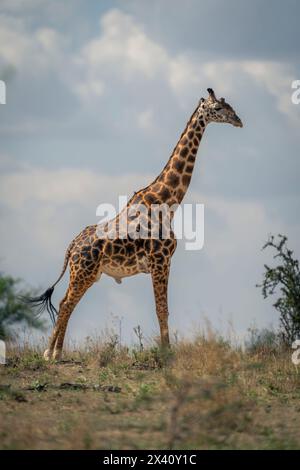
{"points": [[98, 94]]}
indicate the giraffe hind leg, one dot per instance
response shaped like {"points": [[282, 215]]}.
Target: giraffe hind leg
{"points": [[74, 293]]}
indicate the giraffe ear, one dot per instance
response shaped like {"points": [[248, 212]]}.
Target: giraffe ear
{"points": [[222, 100], [201, 101]]}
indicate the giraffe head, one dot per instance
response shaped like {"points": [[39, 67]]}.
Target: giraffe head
{"points": [[215, 110]]}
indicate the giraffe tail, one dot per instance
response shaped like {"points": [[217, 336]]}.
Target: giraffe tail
{"points": [[43, 302]]}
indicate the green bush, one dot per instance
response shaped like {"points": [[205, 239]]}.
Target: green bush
{"points": [[283, 280]]}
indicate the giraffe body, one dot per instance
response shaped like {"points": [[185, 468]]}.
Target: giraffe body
{"points": [[89, 256]]}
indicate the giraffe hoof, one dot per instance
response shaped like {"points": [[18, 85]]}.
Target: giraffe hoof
{"points": [[47, 355], [57, 354]]}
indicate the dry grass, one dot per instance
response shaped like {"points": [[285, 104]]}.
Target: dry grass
{"points": [[204, 394]]}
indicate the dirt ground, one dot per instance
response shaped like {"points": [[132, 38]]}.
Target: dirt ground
{"points": [[201, 395]]}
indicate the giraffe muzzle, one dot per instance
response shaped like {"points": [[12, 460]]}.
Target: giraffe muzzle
{"points": [[237, 122]]}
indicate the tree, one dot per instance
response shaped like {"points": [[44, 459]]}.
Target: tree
{"points": [[12, 309], [284, 280]]}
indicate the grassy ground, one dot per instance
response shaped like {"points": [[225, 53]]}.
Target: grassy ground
{"points": [[203, 395]]}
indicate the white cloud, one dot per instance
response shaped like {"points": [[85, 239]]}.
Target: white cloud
{"points": [[124, 42], [124, 60], [64, 186], [32, 52], [124, 51], [15, 45], [277, 79]]}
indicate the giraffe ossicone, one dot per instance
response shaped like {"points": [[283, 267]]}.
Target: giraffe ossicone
{"points": [[89, 256]]}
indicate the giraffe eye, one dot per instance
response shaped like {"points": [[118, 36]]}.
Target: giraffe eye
{"points": [[218, 108]]}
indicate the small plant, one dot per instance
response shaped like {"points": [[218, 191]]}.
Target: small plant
{"points": [[108, 353], [145, 393], [38, 386], [262, 341], [139, 334], [152, 358], [32, 360], [285, 277]]}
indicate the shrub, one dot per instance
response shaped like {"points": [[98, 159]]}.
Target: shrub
{"points": [[284, 280]]}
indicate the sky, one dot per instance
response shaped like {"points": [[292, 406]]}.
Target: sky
{"points": [[98, 94]]}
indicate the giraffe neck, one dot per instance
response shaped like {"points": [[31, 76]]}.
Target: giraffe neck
{"points": [[173, 182]]}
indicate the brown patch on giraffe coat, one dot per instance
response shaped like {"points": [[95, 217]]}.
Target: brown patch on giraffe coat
{"points": [[130, 249], [156, 244], [173, 179], [117, 259], [117, 248], [178, 165], [184, 151], [108, 248], [186, 179], [172, 201], [86, 253], [150, 198], [180, 194], [98, 243], [165, 194], [95, 253]]}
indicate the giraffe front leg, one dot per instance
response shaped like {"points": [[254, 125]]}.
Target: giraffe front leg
{"points": [[160, 276]]}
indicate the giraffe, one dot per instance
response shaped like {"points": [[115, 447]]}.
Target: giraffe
{"points": [[89, 255]]}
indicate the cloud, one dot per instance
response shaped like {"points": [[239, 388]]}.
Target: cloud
{"points": [[121, 65], [89, 89], [33, 52], [277, 79], [124, 50], [66, 185], [124, 42]]}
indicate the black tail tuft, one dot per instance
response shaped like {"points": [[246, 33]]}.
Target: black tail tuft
{"points": [[43, 302]]}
